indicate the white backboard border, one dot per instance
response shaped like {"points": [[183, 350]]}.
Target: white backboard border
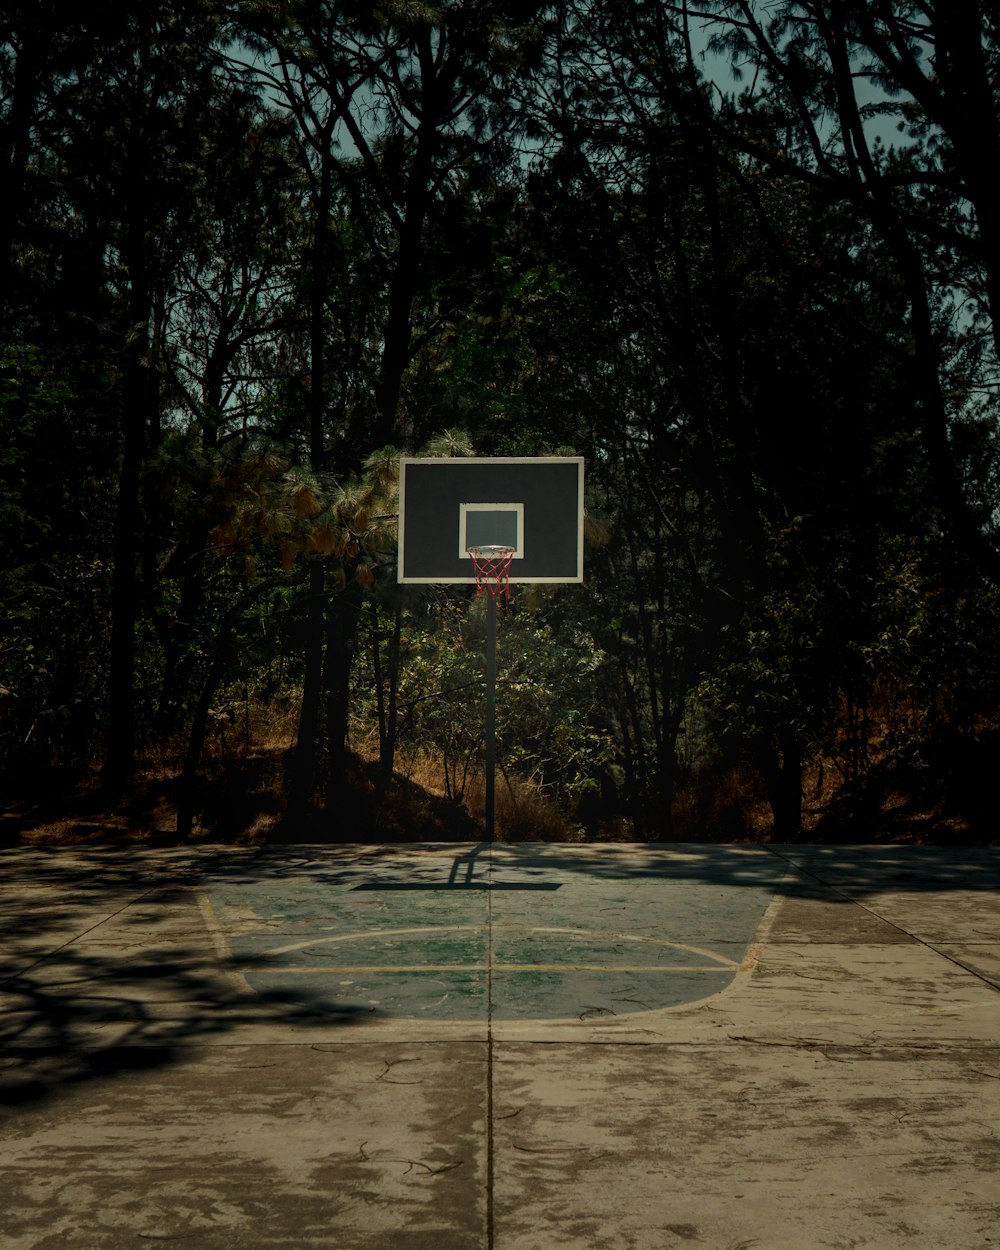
{"points": [[569, 495]]}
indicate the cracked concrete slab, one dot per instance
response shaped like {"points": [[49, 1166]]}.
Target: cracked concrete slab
{"points": [[516, 1048], [259, 1146]]}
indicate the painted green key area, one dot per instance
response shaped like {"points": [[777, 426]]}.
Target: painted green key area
{"points": [[512, 933]]}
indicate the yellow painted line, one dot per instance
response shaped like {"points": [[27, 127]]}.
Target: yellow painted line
{"points": [[369, 935], [219, 940], [373, 936], [357, 968], [215, 929]]}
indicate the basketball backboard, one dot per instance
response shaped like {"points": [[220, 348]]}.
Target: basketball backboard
{"points": [[531, 503]]}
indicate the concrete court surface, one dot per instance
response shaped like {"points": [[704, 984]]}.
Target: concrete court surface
{"points": [[519, 1048]]}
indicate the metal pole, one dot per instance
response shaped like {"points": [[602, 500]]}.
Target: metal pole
{"points": [[491, 714]]}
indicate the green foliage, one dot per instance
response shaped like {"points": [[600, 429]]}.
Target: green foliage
{"points": [[53, 577], [251, 254], [549, 715]]}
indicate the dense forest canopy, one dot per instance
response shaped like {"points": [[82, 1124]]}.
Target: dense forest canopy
{"points": [[744, 258]]}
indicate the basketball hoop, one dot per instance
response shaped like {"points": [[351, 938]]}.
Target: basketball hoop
{"points": [[491, 566]]}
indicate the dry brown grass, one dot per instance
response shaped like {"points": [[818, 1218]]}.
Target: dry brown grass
{"points": [[524, 812], [241, 800], [722, 805]]}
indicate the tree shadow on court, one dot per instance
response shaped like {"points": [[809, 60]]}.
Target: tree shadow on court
{"points": [[773, 867], [800, 871], [93, 982]]}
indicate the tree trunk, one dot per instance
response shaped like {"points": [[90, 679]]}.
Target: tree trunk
{"points": [[186, 783], [342, 630], [21, 117], [121, 743], [780, 763], [386, 694], [300, 771]]}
